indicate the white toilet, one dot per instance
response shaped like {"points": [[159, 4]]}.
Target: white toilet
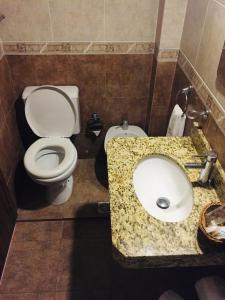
{"points": [[52, 113]]}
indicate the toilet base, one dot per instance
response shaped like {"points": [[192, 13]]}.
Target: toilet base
{"points": [[60, 193]]}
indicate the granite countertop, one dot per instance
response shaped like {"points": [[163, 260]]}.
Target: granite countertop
{"points": [[135, 233]]}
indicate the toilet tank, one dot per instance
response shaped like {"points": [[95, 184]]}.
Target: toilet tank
{"points": [[71, 91]]}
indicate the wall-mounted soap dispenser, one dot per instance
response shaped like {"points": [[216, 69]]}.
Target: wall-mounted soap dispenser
{"points": [[94, 125]]}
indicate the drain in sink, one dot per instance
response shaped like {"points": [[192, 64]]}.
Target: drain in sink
{"points": [[163, 203]]}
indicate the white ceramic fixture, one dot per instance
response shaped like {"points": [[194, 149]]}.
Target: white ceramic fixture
{"points": [[163, 188], [118, 131], [52, 113]]}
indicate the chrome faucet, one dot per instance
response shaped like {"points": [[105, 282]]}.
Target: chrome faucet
{"points": [[124, 125], [206, 166]]}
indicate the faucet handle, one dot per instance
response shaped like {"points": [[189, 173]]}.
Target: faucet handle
{"points": [[210, 156]]}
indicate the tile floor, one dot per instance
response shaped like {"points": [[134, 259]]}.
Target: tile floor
{"points": [[53, 258], [59, 260], [83, 202], [72, 260]]}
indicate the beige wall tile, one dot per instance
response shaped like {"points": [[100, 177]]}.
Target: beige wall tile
{"points": [[211, 46], [131, 20], [26, 20], [193, 27], [173, 21], [221, 1], [77, 20]]}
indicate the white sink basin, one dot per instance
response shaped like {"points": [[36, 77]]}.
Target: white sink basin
{"points": [[163, 188]]}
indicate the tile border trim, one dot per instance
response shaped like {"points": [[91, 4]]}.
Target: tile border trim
{"points": [[201, 88], [78, 48], [167, 55], [59, 48]]}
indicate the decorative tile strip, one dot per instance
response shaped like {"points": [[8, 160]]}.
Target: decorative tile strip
{"points": [[121, 48], [216, 109], [203, 91], [167, 55], [211, 102], [12, 48], [28, 48], [96, 48], [192, 75], [142, 48], [65, 48], [222, 125], [181, 59], [109, 48]]}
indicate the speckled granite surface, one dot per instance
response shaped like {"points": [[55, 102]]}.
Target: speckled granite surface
{"points": [[136, 234]]}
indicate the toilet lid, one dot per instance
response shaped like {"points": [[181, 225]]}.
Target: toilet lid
{"points": [[50, 112]]}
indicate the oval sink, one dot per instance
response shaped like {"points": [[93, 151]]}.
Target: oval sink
{"points": [[163, 188]]}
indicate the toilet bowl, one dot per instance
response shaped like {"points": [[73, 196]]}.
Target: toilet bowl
{"points": [[53, 115]]}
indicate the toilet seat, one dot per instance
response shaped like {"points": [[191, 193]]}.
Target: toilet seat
{"points": [[31, 155], [50, 112]]}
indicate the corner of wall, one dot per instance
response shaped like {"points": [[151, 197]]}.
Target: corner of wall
{"points": [[1, 49], [172, 24], [167, 44]]}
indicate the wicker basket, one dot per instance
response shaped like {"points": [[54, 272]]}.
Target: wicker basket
{"points": [[203, 224]]}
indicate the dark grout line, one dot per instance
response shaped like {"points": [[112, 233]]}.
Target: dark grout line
{"points": [[64, 219]]}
